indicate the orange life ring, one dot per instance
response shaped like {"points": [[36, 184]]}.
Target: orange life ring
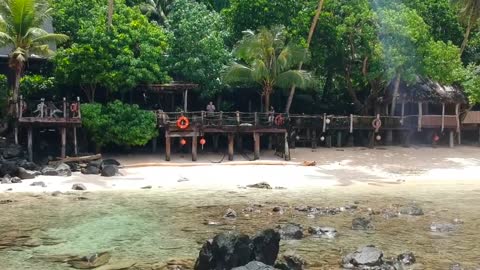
{"points": [[377, 123], [279, 120], [183, 122], [74, 107]]}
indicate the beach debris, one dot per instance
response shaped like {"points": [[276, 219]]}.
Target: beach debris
{"points": [[323, 232], [56, 193], [278, 209], [91, 261], [362, 224], [6, 201], [23, 173], [280, 188], [231, 214], [79, 187], [61, 169], [407, 258], [291, 261], [309, 163], [81, 159], [147, 187], [109, 170], [38, 184], [411, 210], [183, 179], [456, 266], [443, 227], [363, 257], [211, 223], [261, 185], [290, 231]]}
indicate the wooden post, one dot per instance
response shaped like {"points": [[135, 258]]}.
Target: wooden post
{"points": [[420, 114], [185, 101], [339, 139], [238, 117], [256, 148], [20, 112], [15, 131], [215, 143], [63, 132], [79, 108], [255, 119], [314, 139], [64, 108], [329, 141], [451, 139], [154, 145], [443, 116], [324, 128], [75, 146], [30, 144], [403, 112], [351, 123], [457, 116], [221, 119], [371, 139], [168, 146], [287, 149], [42, 102], [230, 146], [194, 146]]}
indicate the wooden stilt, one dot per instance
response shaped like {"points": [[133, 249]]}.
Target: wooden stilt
{"points": [[15, 131], [270, 142], [30, 144], [75, 145], [239, 142], [451, 139], [256, 148], [329, 141], [339, 139], [230, 147], [287, 149], [215, 143], [389, 137], [63, 132], [154, 145], [294, 140], [194, 146], [168, 146], [351, 140], [314, 139], [371, 139]]}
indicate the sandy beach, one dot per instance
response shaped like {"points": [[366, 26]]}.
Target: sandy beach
{"points": [[334, 168]]}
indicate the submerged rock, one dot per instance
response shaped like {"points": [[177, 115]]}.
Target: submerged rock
{"points": [[109, 170], [363, 257], [231, 214], [411, 210], [261, 185], [255, 266], [266, 245], [443, 227], [407, 258], [91, 261], [323, 232], [362, 224], [79, 187], [291, 261], [290, 231]]}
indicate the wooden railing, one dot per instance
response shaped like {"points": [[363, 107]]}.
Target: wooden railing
{"points": [[43, 109]]}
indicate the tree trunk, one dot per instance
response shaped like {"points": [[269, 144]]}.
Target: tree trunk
{"points": [[110, 13], [309, 40], [16, 90], [267, 101], [467, 35], [395, 94]]}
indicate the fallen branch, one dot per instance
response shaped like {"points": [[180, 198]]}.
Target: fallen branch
{"points": [[78, 159]]}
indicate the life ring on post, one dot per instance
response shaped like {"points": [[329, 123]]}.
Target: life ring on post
{"points": [[74, 107], [183, 122], [279, 120], [377, 124]]}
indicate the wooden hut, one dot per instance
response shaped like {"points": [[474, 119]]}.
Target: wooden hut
{"points": [[429, 106]]}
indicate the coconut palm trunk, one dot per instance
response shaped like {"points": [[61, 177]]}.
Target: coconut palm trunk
{"points": [[467, 34], [309, 40], [110, 12]]}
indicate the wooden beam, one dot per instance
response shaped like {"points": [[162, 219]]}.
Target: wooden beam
{"points": [[63, 132], [168, 146], [419, 116], [15, 131], [194, 147], [230, 146], [256, 148], [457, 114], [75, 144], [30, 144]]}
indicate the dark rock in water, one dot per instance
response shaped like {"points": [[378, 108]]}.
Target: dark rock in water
{"points": [[290, 231], [323, 232], [407, 258], [261, 185], [277, 209], [363, 257], [230, 214], [79, 187], [92, 170], [303, 208], [38, 184], [291, 261], [56, 193], [26, 174], [110, 161], [255, 266], [109, 170], [91, 261], [266, 245], [61, 169], [8, 167], [443, 227], [456, 266], [411, 210], [225, 251], [13, 151], [6, 201], [362, 223]]}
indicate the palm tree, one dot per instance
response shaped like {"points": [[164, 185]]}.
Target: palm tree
{"points": [[309, 40], [266, 60], [20, 29], [157, 10], [469, 13]]}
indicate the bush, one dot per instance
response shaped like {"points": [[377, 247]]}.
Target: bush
{"points": [[3, 95], [37, 86], [119, 124]]}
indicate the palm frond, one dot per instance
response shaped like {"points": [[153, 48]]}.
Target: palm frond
{"points": [[238, 73], [291, 56], [298, 78], [23, 15], [41, 50], [50, 38], [5, 39]]}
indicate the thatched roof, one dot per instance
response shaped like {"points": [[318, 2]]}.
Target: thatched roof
{"points": [[428, 91], [169, 87]]}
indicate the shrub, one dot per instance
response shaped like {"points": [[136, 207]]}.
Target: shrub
{"points": [[37, 86], [118, 124], [3, 95]]}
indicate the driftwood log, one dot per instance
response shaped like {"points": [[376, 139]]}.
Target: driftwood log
{"points": [[82, 159]]}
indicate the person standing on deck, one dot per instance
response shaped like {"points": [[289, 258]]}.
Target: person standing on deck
{"points": [[210, 111], [271, 115]]}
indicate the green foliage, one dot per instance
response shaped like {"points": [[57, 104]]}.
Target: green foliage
{"points": [[70, 15], [3, 95], [119, 58], [119, 124], [471, 83], [37, 86], [198, 51], [442, 62]]}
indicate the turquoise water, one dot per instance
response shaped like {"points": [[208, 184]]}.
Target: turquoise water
{"points": [[153, 226]]}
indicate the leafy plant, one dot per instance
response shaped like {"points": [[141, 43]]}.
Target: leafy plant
{"points": [[119, 124], [3, 95], [37, 86]]}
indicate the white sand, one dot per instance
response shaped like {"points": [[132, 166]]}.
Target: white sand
{"points": [[335, 169]]}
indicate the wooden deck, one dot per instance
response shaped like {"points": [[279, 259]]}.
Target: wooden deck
{"points": [[50, 122]]}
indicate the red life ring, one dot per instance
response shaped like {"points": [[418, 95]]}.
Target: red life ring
{"points": [[377, 124], [183, 122], [74, 107], [279, 120]]}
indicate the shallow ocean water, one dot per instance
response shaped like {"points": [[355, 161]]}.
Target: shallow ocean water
{"points": [[154, 226]]}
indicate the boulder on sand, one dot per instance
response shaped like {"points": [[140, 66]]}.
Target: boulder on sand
{"points": [[26, 174], [61, 169], [79, 187], [109, 171], [92, 170], [363, 257]]}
